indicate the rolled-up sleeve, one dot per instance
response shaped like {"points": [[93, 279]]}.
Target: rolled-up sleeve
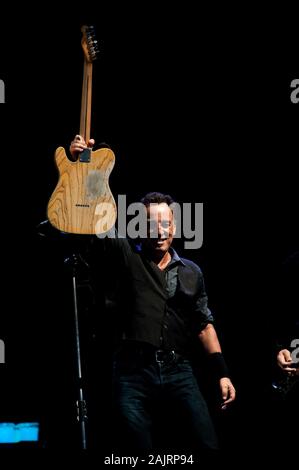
{"points": [[202, 313]]}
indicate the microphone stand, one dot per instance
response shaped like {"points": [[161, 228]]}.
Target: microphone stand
{"points": [[73, 263]]}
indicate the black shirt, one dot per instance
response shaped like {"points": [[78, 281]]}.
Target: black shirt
{"points": [[166, 309]]}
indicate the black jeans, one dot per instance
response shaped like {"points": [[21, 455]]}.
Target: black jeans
{"points": [[142, 381]]}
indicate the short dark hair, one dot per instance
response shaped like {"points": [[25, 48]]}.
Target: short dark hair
{"points": [[156, 198]]}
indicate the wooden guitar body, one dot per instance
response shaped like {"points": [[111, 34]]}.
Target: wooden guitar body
{"points": [[82, 202]]}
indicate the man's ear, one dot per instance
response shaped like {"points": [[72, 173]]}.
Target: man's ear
{"points": [[174, 227]]}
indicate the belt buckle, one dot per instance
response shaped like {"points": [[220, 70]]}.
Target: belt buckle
{"points": [[158, 355], [163, 356]]}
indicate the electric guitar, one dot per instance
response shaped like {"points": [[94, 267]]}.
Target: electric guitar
{"points": [[82, 202]]}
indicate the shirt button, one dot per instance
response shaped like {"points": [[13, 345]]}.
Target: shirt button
{"points": [[165, 327]]}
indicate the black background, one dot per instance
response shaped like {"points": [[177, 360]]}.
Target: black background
{"points": [[193, 105]]}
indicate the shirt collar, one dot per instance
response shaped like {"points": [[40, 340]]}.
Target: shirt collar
{"points": [[175, 258]]}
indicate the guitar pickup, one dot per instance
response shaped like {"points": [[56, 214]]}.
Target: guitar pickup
{"points": [[85, 155]]}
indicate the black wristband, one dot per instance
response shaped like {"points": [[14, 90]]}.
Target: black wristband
{"points": [[218, 365]]}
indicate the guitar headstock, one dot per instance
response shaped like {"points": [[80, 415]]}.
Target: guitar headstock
{"points": [[89, 43]]}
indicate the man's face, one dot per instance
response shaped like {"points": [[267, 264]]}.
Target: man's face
{"points": [[160, 227]]}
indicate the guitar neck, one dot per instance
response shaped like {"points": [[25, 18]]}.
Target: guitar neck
{"points": [[85, 115]]}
